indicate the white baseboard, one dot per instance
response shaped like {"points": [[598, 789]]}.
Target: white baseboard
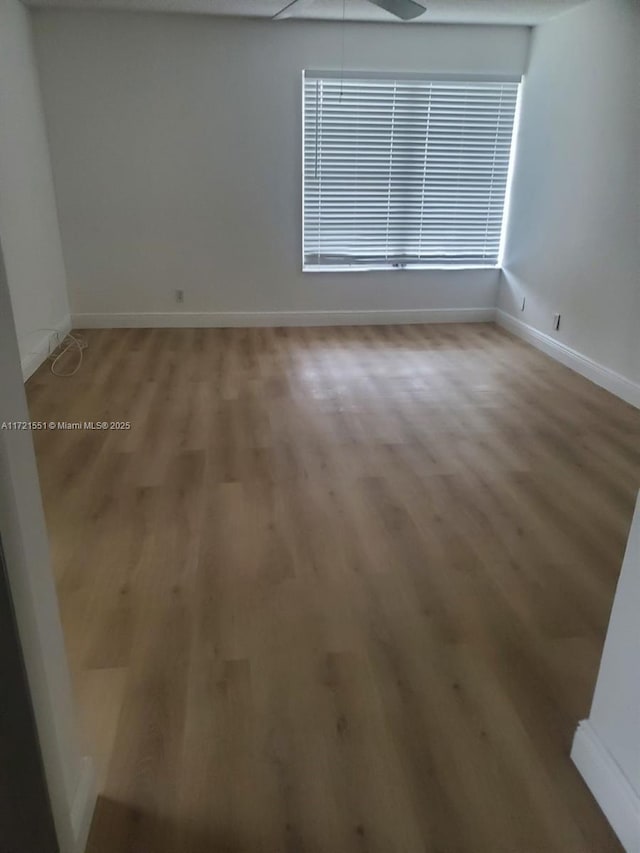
{"points": [[46, 342], [84, 804], [608, 784], [598, 373], [242, 319]]}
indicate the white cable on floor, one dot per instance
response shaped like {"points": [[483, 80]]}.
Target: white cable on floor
{"points": [[72, 342]]}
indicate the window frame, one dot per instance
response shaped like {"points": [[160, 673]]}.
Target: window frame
{"points": [[426, 77]]}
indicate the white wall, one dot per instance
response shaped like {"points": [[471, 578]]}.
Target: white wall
{"points": [[24, 538], [176, 148], [33, 299], [615, 712], [574, 234], [29, 232], [607, 745]]}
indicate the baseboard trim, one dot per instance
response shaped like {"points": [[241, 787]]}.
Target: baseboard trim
{"points": [[608, 784], [582, 364], [240, 319], [46, 343], [84, 804]]}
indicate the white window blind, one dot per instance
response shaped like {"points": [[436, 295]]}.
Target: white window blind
{"points": [[404, 172]]}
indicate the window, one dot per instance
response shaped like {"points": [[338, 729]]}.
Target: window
{"points": [[404, 172]]}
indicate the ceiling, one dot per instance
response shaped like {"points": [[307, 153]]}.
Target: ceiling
{"points": [[528, 12]]}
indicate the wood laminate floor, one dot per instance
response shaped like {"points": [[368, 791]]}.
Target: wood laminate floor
{"points": [[336, 590]]}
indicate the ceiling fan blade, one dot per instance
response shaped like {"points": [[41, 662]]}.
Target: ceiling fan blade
{"points": [[406, 10], [291, 9]]}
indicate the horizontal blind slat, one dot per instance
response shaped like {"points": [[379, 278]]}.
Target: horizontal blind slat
{"points": [[405, 171]]}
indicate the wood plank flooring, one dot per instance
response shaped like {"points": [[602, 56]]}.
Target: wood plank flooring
{"points": [[336, 590]]}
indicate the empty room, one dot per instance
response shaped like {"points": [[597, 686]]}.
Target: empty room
{"points": [[319, 426]]}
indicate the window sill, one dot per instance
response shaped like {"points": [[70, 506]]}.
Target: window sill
{"points": [[390, 268]]}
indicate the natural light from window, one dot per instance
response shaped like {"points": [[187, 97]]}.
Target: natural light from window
{"points": [[404, 171]]}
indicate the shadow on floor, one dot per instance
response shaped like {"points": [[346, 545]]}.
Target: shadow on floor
{"points": [[121, 828]]}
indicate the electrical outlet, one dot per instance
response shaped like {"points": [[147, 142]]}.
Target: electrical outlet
{"points": [[556, 321], [179, 295], [524, 302]]}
